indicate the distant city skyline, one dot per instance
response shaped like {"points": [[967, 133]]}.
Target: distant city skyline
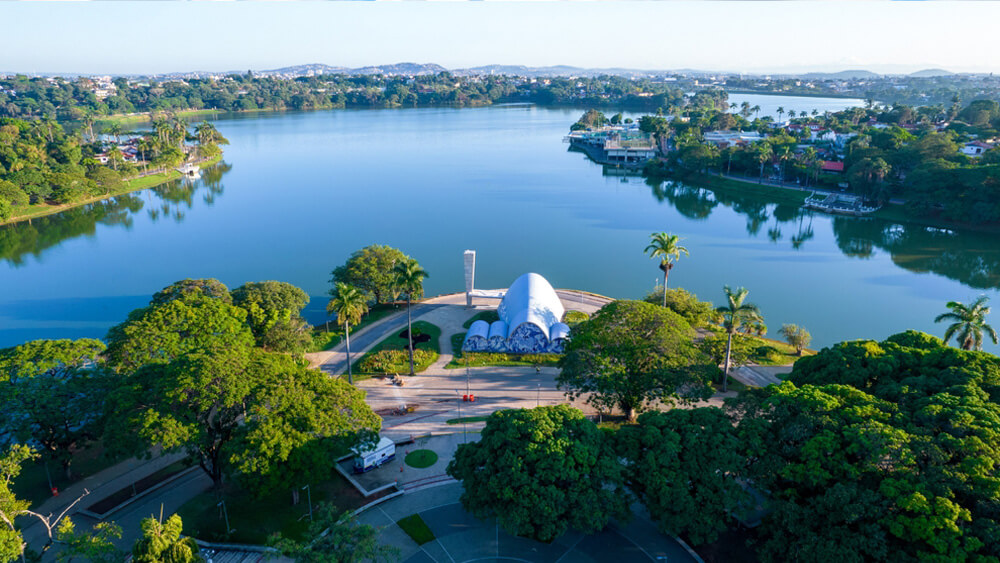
{"points": [[749, 37]]}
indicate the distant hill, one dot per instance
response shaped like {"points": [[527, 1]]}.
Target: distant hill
{"points": [[842, 75], [931, 72]]}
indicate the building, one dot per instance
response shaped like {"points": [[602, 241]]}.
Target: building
{"points": [[975, 149], [723, 139], [530, 321]]}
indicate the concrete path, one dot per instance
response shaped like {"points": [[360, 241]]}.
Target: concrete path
{"points": [[759, 376], [460, 537]]}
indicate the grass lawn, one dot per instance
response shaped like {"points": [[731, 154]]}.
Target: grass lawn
{"points": [[467, 419], [782, 355], [773, 194], [33, 485], [254, 519], [323, 340], [416, 528], [488, 316], [481, 359], [421, 458], [393, 349]]}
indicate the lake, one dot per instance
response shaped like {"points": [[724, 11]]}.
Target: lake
{"points": [[298, 192]]}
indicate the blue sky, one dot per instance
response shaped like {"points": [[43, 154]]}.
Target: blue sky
{"points": [[156, 37]]}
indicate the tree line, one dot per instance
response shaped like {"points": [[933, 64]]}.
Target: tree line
{"points": [[42, 163]]}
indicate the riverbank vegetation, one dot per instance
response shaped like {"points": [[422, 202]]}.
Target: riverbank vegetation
{"points": [[943, 163], [44, 169]]}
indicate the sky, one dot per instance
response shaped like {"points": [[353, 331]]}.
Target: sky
{"points": [[160, 37]]}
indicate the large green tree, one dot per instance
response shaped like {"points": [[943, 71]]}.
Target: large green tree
{"points": [[237, 409], [410, 280], [541, 472], [969, 323], [878, 451], [335, 538], [54, 395], [630, 354], [170, 327], [371, 270], [683, 465]]}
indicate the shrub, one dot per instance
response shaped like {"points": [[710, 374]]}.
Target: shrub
{"points": [[396, 361]]}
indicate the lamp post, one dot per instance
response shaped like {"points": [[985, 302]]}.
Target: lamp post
{"points": [[226, 514], [538, 395], [309, 499], [464, 437]]}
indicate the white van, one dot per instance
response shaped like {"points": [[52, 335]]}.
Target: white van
{"points": [[367, 460]]}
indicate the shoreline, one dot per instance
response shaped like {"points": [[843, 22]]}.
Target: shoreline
{"points": [[133, 185], [891, 212]]}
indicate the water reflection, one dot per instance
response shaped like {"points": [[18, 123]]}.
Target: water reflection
{"points": [[969, 257], [19, 240]]}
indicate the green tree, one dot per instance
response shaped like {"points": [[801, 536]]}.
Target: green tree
{"points": [[735, 313], [684, 303], [371, 270], [349, 304], [541, 472], [630, 354], [54, 395], [667, 248], [763, 153], [94, 547], [11, 543], [162, 543], [683, 465], [208, 287], [334, 538], [796, 336], [296, 425], [969, 323], [273, 312], [232, 408], [166, 330], [739, 350], [410, 279]]}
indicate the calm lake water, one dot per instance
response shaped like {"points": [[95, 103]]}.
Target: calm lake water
{"points": [[298, 192]]}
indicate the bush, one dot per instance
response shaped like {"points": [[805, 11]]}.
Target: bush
{"points": [[573, 318], [396, 361]]}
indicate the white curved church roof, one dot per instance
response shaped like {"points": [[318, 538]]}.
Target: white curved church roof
{"points": [[530, 299]]}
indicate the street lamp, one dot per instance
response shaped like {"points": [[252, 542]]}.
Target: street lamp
{"points": [[226, 514], [310, 501], [538, 395], [464, 437]]}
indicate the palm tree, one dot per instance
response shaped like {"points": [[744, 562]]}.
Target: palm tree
{"points": [[666, 247], [780, 111], [410, 278], [756, 111], [349, 303], [115, 130], [764, 154], [735, 314], [970, 323]]}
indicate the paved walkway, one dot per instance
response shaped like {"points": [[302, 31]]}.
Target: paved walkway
{"points": [[460, 537], [759, 376]]}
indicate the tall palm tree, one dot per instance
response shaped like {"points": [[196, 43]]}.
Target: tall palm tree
{"points": [[666, 247], [764, 154], [349, 303], [756, 111], [410, 278], [780, 111], [735, 313], [970, 323]]}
